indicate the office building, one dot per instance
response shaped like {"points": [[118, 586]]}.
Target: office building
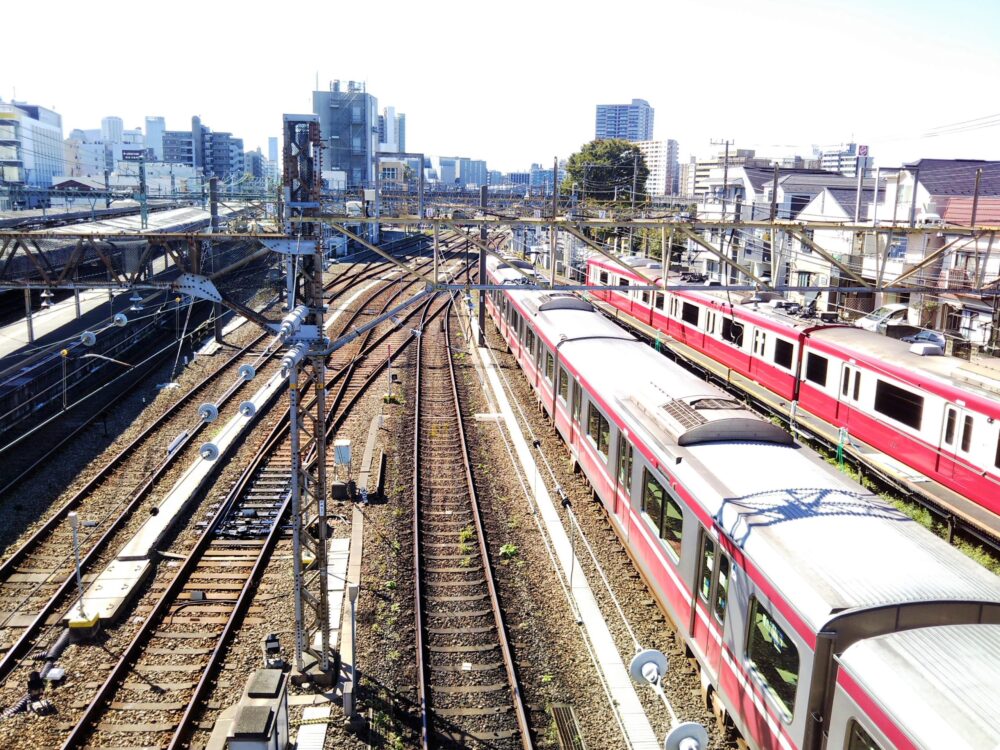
{"points": [[31, 149], [111, 129], [631, 122], [348, 122], [215, 153], [846, 160], [155, 127]]}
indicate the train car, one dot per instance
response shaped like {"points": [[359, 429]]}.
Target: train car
{"points": [[791, 585], [938, 416]]}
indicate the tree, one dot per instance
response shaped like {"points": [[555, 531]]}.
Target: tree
{"points": [[606, 170]]}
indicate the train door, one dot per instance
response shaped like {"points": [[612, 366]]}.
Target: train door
{"points": [[623, 478], [708, 606], [849, 393], [576, 400], [956, 439]]}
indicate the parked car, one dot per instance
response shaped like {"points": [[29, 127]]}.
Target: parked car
{"points": [[925, 337], [887, 314]]}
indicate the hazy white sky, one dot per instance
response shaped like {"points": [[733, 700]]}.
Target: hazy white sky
{"points": [[516, 82]]}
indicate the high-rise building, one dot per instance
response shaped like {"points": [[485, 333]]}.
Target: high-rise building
{"points": [[254, 164], [155, 127], [348, 124], [661, 160], [632, 122], [391, 131], [111, 129], [31, 147]]}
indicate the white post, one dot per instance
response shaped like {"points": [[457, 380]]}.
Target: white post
{"points": [[74, 523]]}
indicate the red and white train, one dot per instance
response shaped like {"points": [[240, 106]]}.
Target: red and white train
{"points": [[939, 416], [820, 616]]}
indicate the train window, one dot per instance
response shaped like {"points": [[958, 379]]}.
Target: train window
{"points": [[529, 341], [996, 461], [967, 433], [658, 301], [576, 401], [949, 427], [898, 404], [846, 382], [564, 385], [722, 589], [707, 566], [652, 500], [538, 355], [622, 281], [759, 342], [773, 658], [859, 739], [645, 298], [689, 313], [783, 353], [599, 430], [603, 277], [664, 514], [550, 367], [816, 369], [625, 463], [732, 331], [857, 385]]}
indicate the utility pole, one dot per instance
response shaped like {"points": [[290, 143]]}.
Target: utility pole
{"points": [[725, 173], [635, 185], [107, 189], [482, 270], [305, 364], [143, 207], [975, 198], [552, 229], [213, 207]]}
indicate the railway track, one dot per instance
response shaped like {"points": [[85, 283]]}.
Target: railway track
{"points": [[467, 684], [191, 624], [37, 577], [21, 464]]}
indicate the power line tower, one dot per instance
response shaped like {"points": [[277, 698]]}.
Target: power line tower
{"points": [[305, 364]]}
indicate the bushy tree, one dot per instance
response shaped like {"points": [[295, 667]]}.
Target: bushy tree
{"points": [[605, 171]]}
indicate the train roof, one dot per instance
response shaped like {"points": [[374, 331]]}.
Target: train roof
{"points": [[829, 545], [940, 684], [951, 370], [794, 517], [751, 303]]}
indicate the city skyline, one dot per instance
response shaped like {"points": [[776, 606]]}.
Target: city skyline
{"points": [[833, 73]]}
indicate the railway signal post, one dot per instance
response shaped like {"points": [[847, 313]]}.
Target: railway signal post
{"points": [[308, 419]]}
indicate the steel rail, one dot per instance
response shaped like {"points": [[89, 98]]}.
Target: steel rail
{"points": [[271, 445]]}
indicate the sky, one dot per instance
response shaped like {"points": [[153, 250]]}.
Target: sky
{"points": [[517, 82]]}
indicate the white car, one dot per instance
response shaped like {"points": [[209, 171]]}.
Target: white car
{"points": [[886, 315]]}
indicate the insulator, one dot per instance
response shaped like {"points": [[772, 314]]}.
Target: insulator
{"points": [[120, 320], [88, 338], [209, 451], [248, 409], [209, 412], [247, 372]]}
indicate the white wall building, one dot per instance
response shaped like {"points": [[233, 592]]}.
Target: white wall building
{"points": [[664, 172], [111, 129]]}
